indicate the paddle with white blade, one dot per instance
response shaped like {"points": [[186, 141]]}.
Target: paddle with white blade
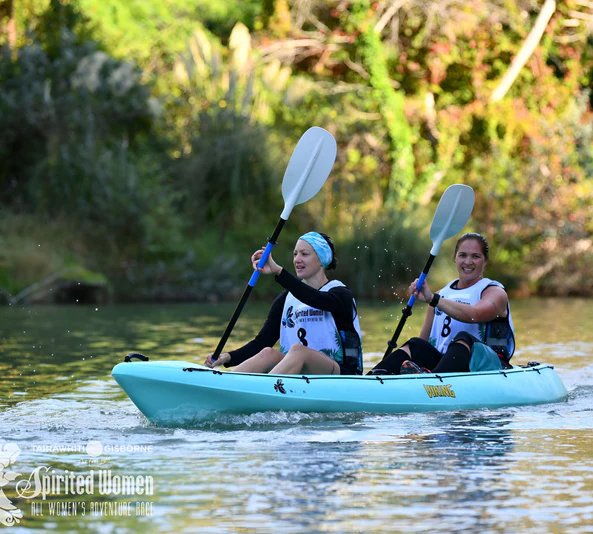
{"points": [[307, 170], [451, 215]]}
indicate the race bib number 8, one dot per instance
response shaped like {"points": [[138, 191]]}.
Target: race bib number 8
{"points": [[446, 331], [301, 334]]}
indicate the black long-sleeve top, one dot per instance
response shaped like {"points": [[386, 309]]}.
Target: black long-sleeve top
{"points": [[339, 301]]}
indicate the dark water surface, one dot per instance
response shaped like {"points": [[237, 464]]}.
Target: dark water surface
{"points": [[66, 424]]}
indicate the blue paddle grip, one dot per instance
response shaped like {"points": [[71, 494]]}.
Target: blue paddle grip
{"points": [[419, 285], [262, 261]]}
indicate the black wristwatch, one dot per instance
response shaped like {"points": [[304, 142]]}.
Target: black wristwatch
{"points": [[434, 302]]}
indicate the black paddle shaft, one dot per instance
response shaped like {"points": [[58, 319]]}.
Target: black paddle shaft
{"points": [[406, 312], [272, 240]]}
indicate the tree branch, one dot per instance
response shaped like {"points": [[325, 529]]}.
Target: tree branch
{"points": [[526, 50]]}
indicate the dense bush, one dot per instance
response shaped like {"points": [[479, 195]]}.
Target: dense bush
{"points": [[174, 166]]}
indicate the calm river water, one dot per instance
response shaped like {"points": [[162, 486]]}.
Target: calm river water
{"points": [[70, 440]]}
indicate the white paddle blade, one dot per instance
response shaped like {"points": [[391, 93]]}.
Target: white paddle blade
{"points": [[451, 215], [309, 166]]}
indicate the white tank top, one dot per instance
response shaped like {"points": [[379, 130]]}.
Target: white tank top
{"points": [[313, 328], [445, 328]]}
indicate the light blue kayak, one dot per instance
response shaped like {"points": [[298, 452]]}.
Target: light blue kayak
{"points": [[174, 393]]}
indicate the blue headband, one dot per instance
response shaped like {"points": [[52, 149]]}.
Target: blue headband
{"points": [[320, 246]]}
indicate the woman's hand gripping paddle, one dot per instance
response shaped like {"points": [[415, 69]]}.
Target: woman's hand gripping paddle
{"points": [[308, 169], [451, 215]]}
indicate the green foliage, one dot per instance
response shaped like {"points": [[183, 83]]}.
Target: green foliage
{"points": [[160, 129], [137, 28], [227, 101], [58, 18], [31, 248], [391, 102], [383, 256], [50, 106], [72, 120], [148, 32], [153, 33], [228, 146]]}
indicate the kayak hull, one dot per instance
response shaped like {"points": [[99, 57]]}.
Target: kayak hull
{"points": [[179, 392]]}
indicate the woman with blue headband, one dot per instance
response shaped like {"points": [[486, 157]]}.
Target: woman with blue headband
{"points": [[314, 319]]}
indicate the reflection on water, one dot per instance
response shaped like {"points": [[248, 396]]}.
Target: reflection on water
{"points": [[44, 349], [521, 469], [453, 459]]}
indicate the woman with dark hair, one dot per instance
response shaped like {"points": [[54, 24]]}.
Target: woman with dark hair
{"points": [[315, 319], [469, 310]]}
